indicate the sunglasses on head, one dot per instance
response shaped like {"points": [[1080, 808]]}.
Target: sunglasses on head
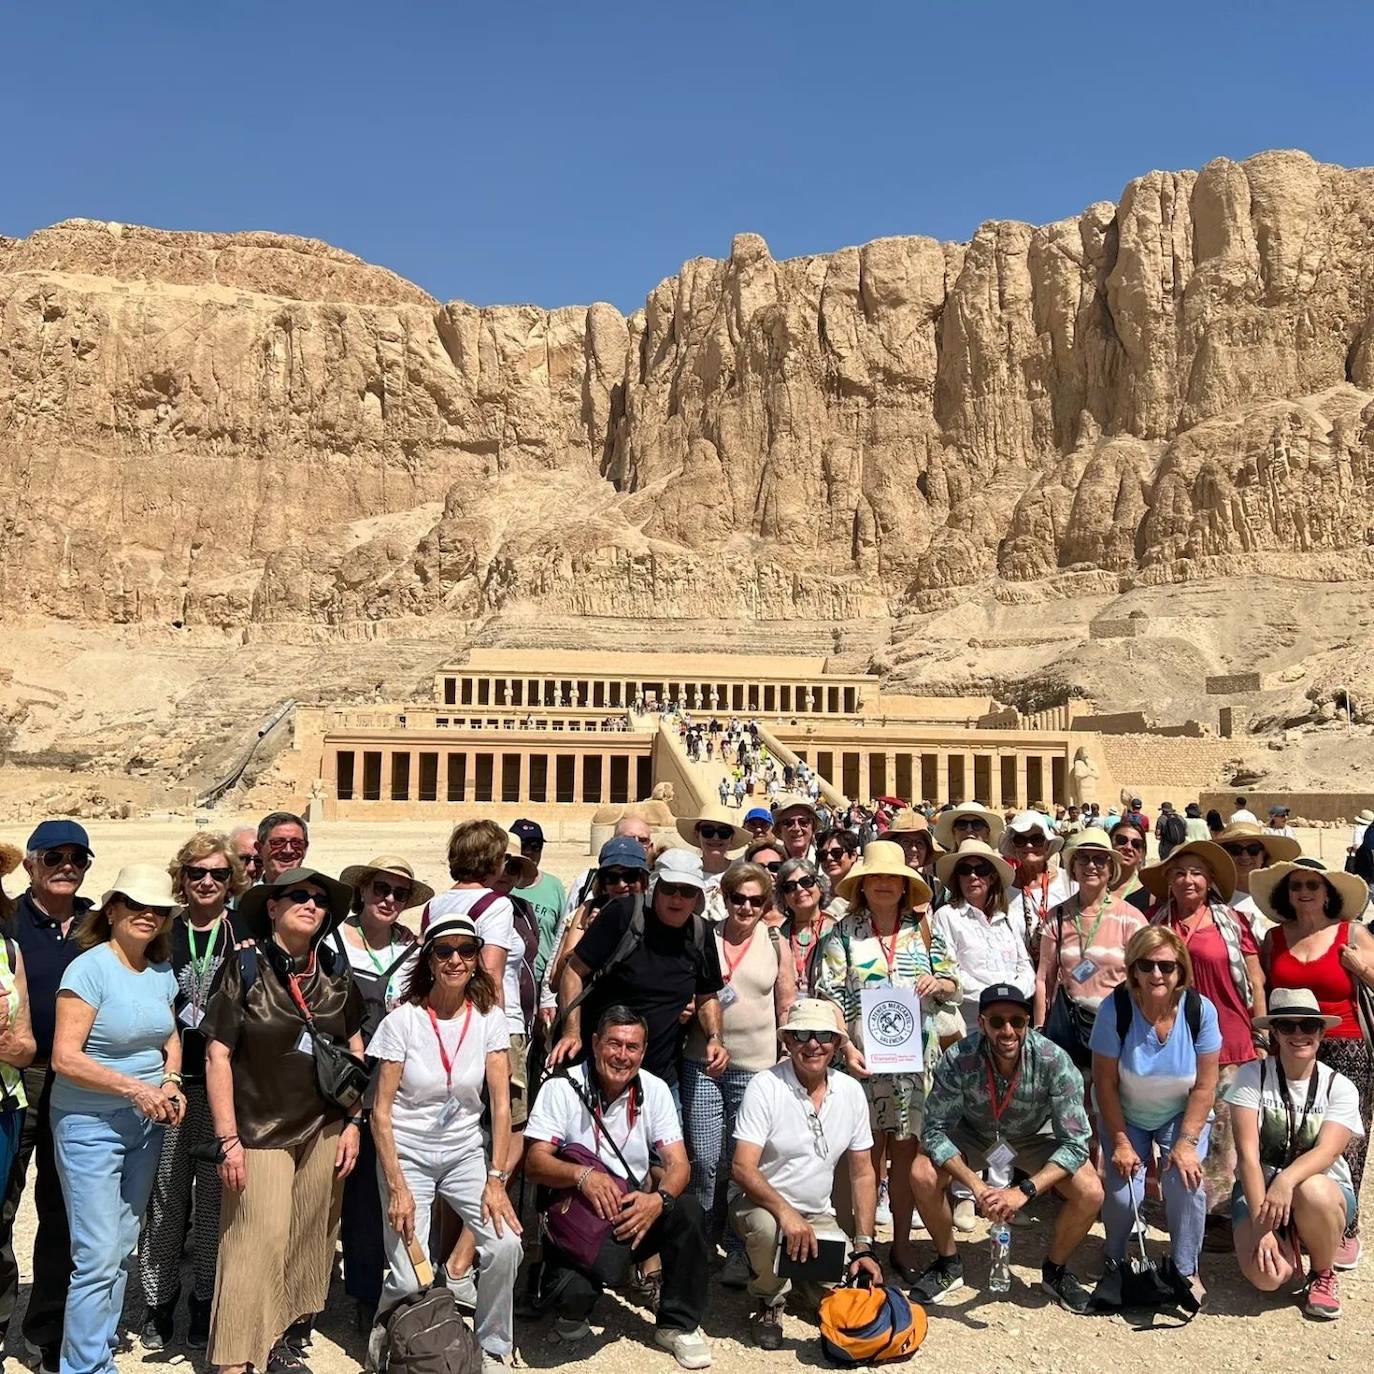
{"points": [[1028, 841], [803, 884], [1168, 967], [384, 889], [715, 832], [469, 949], [974, 871], [1306, 884], [613, 877], [821, 1037], [677, 889], [741, 899], [1127, 842], [196, 872], [57, 858], [1017, 1023], [837, 853], [301, 895], [1253, 851]]}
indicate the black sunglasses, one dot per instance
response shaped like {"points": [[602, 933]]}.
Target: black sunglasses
{"points": [[468, 950], [195, 872], [1307, 1025], [384, 890], [1027, 841], [740, 899], [612, 877], [301, 895], [1017, 1023], [715, 832], [837, 853], [1168, 967], [1252, 851], [250, 861], [805, 1036], [678, 889], [970, 823], [56, 858], [974, 871], [1126, 842], [773, 867], [803, 884]]}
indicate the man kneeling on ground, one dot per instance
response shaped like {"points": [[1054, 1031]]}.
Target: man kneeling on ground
{"points": [[623, 1117], [795, 1123], [1006, 1096]]}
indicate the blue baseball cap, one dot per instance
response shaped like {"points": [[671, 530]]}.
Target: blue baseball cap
{"points": [[528, 832], [55, 834], [759, 813], [620, 851]]}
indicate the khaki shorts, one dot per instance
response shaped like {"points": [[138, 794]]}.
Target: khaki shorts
{"points": [[519, 1053], [1032, 1151]]}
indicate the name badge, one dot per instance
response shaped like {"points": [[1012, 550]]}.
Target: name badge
{"points": [[1001, 1157], [191, 1015], [727, 996], [450, 1112], [306, 1044], [1084, 971]]}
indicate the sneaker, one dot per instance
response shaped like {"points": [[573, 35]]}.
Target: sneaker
{"points": [[1323, 1299], [944, 1277], [965, 1214], [735, 1272], [648, 1285], [1347, 1253], [287, 1357], [493, 1364], [464, 1289], [198, 1332], [376, 1348], [156, 1332], [765, 1326], [883, 1216], [1066, 1291], [688, 1348], [569, 1329]]}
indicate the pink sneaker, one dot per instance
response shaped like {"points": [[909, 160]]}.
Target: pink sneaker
{"points": [[1323, 1296], [1347, 1253]]}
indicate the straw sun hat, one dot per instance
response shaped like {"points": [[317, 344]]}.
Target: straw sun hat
{"points": [[1155, 877], [973, 849], [1352, 888], [713, 814], [390, 866], [884, 858], [944, 824]]}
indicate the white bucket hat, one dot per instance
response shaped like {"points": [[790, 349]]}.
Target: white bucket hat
{"points": [[1022, 823], [944, 824], [148, 884], [813, 1014]]}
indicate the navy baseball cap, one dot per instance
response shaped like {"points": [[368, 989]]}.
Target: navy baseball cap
{"points": [[759, 813], [55, 834], [1002, 992], [622, 852], [528, 832]]}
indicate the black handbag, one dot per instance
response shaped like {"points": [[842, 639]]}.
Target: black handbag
{"points": [[1140, 1283], [1067, 1024]]}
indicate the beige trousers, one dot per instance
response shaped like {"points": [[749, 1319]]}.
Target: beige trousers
{"points": [[758, 1229], [276, 1248]]}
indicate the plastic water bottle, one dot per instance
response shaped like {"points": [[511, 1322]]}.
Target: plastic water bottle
{"points": [[999, 1275]]}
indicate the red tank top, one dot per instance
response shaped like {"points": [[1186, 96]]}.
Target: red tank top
{"points": [[1326, 977]]}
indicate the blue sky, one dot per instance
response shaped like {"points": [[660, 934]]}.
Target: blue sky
{"points": [[567, 153]]}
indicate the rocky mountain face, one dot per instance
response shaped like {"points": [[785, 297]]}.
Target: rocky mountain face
{"points": [[264, 433]]}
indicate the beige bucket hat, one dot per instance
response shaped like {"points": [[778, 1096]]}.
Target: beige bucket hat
{"points": [[1279, 848], [944, 824], [713, 814], [884, 858], [1155, 877], [1092, 838], [150, 884], [357, 876], [910, 822], [1353, 889], [971, 849], [813, 1014]]}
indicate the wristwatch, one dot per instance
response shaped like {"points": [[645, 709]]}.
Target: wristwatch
{"points": [[863, 1242], [1027, 1186], [668, 1200], [500, 1175]]}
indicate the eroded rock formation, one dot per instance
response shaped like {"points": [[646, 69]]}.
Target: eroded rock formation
{"points": [[250, 429]]}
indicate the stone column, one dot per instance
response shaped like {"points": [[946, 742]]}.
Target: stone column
{"points": [[579, 762], [441, 777], [865, 786], [890, 768], [941, 778], [606, 780], [1021, 797], [970, 790], [523, 782]]}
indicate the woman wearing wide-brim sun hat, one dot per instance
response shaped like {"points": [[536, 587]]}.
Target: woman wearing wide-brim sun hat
{"points": [[885, 939], [1252, 849], [912, 831], [1319, 944], [1031, 842], [971, 821]]}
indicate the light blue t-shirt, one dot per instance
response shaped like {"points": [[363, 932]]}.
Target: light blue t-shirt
{"points": [[133, 1020], [1155, 1079]]}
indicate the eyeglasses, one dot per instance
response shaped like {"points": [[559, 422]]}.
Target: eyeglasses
{"points": [[1126, 842], [614, 877], [678, 889], [1168, 967], [803, 884], [715, 832], [59, 858], [741, 899], [974, 871], [197, 872], [1094, 858], [1027, 841], [444, 953], [1306, 884], [969, 823], [287, 845], [1252, 851], [382, 890], [1307, 1025], [301, 895], [797, 822], [821, 1037], [1017, 1023], [835, 855]]}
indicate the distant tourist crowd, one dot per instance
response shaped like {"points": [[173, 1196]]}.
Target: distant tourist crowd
{"points": [[725, 1060]]}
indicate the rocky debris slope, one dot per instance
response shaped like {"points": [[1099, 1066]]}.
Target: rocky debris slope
{"points": [[250, 430]]}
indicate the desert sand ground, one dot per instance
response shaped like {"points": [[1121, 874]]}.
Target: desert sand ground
{"points": [[1239, 1330]]}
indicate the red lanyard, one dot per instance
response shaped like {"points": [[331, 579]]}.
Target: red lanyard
{"points": [[293, 982], [443, 1053], [999, 1106], [889, 951], [732, 964]]}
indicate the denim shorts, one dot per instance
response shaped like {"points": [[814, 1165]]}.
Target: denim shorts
{"points": [[1240, 1209]]}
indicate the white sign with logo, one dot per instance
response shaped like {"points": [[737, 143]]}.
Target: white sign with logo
{"points": [[892, 1030]]}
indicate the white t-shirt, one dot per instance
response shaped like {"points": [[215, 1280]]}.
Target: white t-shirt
{"points": [[776, 1113], [422, 1117], [495, 926], [560, 1118], [1256, 1086], [1039, 900], [1243, 816]]}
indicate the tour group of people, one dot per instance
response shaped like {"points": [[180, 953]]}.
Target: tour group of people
{"points": [[733, 1048]]}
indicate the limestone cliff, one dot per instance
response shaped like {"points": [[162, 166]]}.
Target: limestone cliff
{"points": [[250, 430]]}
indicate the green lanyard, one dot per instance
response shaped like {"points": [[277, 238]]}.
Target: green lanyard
{"points": [[1097, 925], [200, 963], [377, 964]]}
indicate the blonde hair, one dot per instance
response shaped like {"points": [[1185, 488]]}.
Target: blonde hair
{"points": [[1145, 942], [200, 846]]}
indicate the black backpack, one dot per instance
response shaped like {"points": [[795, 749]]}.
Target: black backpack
{"points": [[1174, 830], [426, 1334], [1122, 1005]]}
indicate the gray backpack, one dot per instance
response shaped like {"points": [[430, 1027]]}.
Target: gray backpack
{"points": [[426, 1334]]}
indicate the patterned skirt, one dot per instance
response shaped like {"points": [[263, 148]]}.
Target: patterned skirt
{"points": [[1355, 1059], [896, 1104], [1219, 1167]]}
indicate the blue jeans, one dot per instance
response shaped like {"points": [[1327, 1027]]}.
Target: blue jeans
{"points": [[1185, 1209], [107, 1162]]}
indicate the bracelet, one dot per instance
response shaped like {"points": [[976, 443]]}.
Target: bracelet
{"points": [[1190, 1139], [586, 1174], [227, 1140], [170, 1078]]}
